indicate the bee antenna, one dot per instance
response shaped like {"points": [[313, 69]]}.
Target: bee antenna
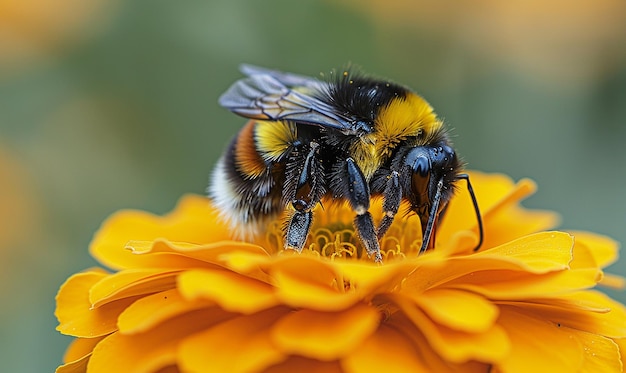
{"points": [[478, 216]]}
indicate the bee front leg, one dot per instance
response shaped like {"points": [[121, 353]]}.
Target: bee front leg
{"points": [[358, 194]]}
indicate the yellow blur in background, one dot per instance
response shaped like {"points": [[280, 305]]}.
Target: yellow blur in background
{"points": [[107, 105]]}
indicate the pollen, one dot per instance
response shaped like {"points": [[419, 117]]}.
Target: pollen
{"points": [[333, 235]]}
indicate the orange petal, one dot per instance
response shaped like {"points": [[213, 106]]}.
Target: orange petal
{"points": [[79, 348], [150, 311], [130, 283], [582, 256], [505, 225], [75, 314], [210, 253], [431, 359], [369, 279], [76, 366], [585, 301], [247, 263], [387, 350], [621, 343], [542, 346], [77, 355], [594, 251], [503, 219], [154, 349], [161, 253], [591, 311], [603, 249], [300, 293], [537, 253], [193, 220], [490, 190], [515, 285], [303, 364], [305, 268], [613, 281], [242, 344], [601, 354], [454, 345], [507, 220], [458, 310], [231, 291], [538, 345], [325, 335], [308, 282]]}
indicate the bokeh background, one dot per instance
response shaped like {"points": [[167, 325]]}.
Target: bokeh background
{"points": [[109, 104]]}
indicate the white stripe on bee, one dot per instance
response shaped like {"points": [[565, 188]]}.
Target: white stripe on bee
{"points": [[227, 201]]}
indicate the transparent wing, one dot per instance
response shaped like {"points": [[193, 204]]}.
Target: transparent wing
{"points": [[272, 95], [288, 79]]}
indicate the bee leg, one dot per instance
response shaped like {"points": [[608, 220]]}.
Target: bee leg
{"points": [[308, 190], [359, 196], [298, 229], [392, 195], [365, 226]]}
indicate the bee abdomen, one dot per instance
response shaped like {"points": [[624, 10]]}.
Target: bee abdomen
{"points": [[247, 159], [242, 186]]}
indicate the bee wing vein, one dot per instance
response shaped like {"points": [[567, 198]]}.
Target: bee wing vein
{"points": [[263, 96]]}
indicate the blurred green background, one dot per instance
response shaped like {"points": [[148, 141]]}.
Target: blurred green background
{"points": [[109, 104]]}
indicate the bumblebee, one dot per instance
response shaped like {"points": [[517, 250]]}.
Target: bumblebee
{"points": [[349, 138]]}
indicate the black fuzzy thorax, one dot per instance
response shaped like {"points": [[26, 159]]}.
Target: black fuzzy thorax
{"points": [[361, 97]]}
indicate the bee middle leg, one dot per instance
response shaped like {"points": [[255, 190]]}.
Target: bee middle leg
{"points": [[306, 187], [355, 188]]}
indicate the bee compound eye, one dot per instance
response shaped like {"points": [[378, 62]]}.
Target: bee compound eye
{"points": [[442, 156], [449, 151]]}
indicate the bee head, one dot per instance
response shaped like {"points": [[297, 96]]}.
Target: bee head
{"points": [[427, 166]]}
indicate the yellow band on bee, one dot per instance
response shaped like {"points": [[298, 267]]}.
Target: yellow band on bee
{"points": [[402, 118], [273, 139]]}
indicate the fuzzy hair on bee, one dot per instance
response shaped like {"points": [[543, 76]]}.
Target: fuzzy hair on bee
{"points": [[349, 138]]}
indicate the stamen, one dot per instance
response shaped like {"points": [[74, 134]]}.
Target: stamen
{"points": [[333, 236]]}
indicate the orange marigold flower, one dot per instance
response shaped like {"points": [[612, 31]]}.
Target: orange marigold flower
{"points": [[183, 296]]}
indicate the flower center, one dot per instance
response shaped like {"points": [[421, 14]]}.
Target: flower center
{"points": [[333, 236]]}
